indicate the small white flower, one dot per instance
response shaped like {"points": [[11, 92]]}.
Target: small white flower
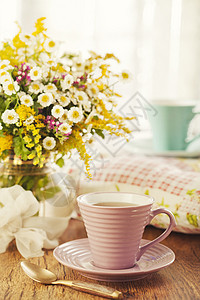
{"points": [[65, 128], [75, 114], [35, 73], [67, 82], [44, 57], [1, 127], [87, 137], [45, 99], [27, 39], [10, 87], [49, 45], [5, 65], [92, 90], [26, 100], [50, 88], [87, 105], [125, 75], [82, 96], [9, 116], [5, 78], [45, 72], [49, 143], [64, 117], [57, 111], [30, 120], [3, 73], [63, 100], [36, 87]]}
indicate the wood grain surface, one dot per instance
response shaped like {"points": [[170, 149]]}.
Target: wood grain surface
{"points": [[181, 280]]}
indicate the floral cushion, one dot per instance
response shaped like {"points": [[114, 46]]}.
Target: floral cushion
{"points": [[173, 183]]}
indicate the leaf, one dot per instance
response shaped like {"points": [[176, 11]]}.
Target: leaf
{"points": [[19, 148], [60, 162], [100, 133]]}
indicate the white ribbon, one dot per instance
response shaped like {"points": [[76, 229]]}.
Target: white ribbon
{"points": [[17, 221]]}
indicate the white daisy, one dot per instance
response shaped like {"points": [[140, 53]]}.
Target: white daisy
{"points": [[63, 100], [35, 73], [57, 111], [125, 75], [45, 72], [10, 87], [75, 114], [82, 96], [64, 117], [26, 100], [44, 57], [3, 73], [45, 99], [49, 45], [36, 87], [65, 128], [50, 88], [9, 116], [49, 143], [27, 39], [67, 82], [1, 127], [92, 90], [6, 77], [87, 105], [30, 120], [5, 65]]}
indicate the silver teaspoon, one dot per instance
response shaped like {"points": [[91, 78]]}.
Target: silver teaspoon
{"points": [[41, 275]]}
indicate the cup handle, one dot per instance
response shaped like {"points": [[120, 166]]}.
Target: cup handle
{"points": [[161, 237]]}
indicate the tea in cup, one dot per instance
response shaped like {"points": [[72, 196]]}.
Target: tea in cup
{"points": [[115, 223]]}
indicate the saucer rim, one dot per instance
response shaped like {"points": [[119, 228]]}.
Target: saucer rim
{"points": [[114, 273], [135, 148]]}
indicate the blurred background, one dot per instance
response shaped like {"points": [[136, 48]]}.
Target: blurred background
{"points": [[157, 40]]}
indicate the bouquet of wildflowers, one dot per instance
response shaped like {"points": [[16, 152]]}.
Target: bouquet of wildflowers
{"points": [[51, 105]]}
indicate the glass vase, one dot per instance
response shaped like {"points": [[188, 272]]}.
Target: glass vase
{"points": [[54, 190]]}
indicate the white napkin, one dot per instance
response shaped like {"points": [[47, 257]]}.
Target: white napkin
{"points": [[17, 221]]}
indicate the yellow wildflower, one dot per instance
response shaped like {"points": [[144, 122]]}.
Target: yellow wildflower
{"points": [[39, 26], [32, 155], [27, 139], [35, 131], [36, 161], [30, 127], [37, 138], [24, 112], [38, 121], [17, 43], [30, 145], [38, 148], [104, 70], [111, 55], [5, 143]]}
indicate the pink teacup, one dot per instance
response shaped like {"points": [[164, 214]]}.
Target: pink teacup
{"points": [[115, 224]]}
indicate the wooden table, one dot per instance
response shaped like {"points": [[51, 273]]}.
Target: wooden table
{"points": [[181, 280]]}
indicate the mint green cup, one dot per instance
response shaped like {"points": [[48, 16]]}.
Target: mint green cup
{"points": [[170, 124]]}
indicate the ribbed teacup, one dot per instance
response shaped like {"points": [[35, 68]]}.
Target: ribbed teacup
{"points": [[115, 224]]}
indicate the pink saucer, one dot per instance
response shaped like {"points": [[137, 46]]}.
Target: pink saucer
{"points": [[76, 255]]}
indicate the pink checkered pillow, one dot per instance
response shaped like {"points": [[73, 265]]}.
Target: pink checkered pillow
{"points": [[174, 184]]}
